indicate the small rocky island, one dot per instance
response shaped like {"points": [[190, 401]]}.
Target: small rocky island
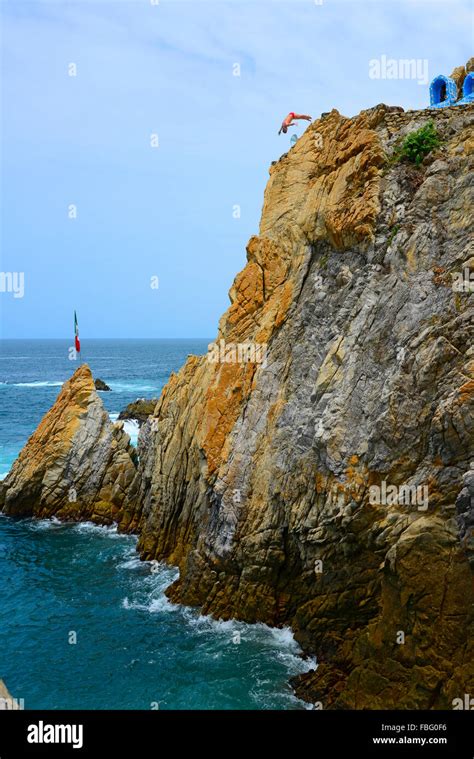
{"points": [[101, 385], [140, 409]]}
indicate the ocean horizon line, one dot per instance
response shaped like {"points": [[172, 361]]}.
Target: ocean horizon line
{"points": [[91, 339]]}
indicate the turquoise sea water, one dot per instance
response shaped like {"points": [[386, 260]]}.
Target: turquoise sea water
{"points": [[62, 583]]}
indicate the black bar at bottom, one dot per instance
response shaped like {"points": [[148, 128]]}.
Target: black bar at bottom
{"points": [[374, 733]]}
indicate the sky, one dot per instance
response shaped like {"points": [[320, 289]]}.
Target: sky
{"points": [[136, 139]]}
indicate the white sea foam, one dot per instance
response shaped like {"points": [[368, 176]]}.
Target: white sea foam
{"points": [[161, 604], [46, 383], [150, 590], [153, 606], [110, 531], [261, 696], [297, 664], [131, 427], [135, 563], [45, 524], [130, 387], [148, 595], [283, 636], [279, 640]]}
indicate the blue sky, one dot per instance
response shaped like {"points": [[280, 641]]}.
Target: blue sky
{"points": [[167, 212]]}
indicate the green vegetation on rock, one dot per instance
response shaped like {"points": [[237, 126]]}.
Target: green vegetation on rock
{"points": [[419, 143]]}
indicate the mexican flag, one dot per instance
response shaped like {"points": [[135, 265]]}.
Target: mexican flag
{"points": [[76, 334]]}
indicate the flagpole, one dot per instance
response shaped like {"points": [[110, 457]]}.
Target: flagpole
{"points": [[77, 342]]}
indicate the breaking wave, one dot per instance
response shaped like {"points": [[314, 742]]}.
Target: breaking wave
{"points": [[39, 383]]}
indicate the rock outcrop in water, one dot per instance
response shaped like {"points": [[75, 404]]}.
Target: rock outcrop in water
{"points": [[140, 409], [101, 385], [76, 465], [315, 469]]}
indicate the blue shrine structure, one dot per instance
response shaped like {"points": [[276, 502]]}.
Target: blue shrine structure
{"points": [[467, 89], [444, 91]]}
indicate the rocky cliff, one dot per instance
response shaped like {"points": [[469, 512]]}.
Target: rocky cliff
{"points": [[255, 477], [76, 465], [314, 469]]}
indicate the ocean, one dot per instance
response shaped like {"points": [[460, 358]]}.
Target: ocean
{"points": [[84, 624]]}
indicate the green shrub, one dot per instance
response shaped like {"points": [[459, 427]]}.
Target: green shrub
{"points": [[392, 233], [418, 144]]}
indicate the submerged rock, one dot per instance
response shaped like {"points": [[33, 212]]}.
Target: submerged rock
{"points": [[140, 409], [76, 465]]}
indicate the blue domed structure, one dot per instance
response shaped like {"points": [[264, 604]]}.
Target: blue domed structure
{"points": [[467, 90], [443, 92]]}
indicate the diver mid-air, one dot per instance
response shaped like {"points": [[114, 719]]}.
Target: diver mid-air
{"points": [[290, 119]]}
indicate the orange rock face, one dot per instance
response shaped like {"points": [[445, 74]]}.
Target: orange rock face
{"points": [[76, 465]]}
